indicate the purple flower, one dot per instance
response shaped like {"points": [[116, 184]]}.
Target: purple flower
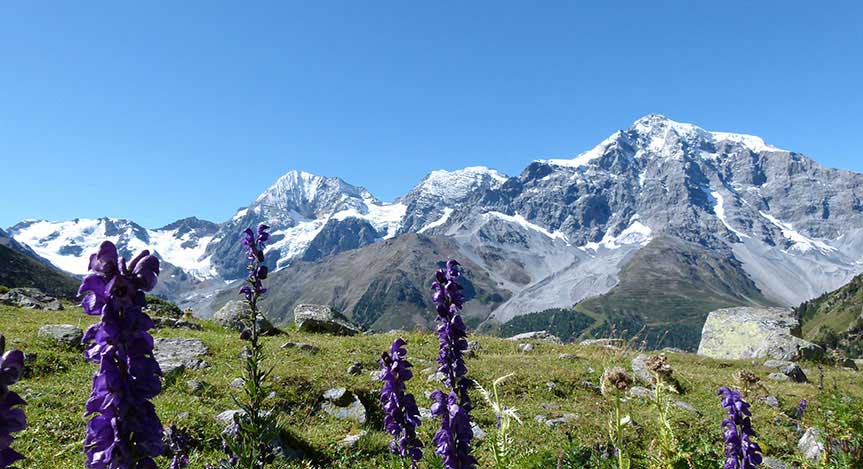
{"points": [[452, 440], [400, 408], [255, 244], [178, 443], [12, 418], [125, 431], [740, 451], [801, 409]]}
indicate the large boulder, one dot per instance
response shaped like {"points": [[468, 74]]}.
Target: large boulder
{"points": [[65, 334], [343, 405], [747, 332], [175, 354], [231, 316], [537, 336], [31, 298], [322, 318]]}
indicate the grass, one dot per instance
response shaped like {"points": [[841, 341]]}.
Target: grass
{"points": [[58, 384]]}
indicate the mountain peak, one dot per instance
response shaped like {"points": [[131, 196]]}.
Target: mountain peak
{"points": [[457, 184]]}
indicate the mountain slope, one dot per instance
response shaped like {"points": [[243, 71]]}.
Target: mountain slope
{"points": [[382, 286], [18, 270], [835, 319]]}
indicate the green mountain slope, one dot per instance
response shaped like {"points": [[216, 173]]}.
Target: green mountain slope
{"points": [[19, 270], [835, 319]]}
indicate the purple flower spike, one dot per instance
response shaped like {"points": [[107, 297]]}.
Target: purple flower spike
{"points": [[452, 440], [12, 418], [125, 431], [740, 451], [400, 408]]}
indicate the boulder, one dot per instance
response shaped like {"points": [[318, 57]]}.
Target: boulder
{"points": [[304, 347], [351, 440], [231, 316], [537, 336], [639, 369], [795, 373], [65, 334], [343, 405], [171, 323], [175, 354], [607, 343], [748, 332], [810, 445], [323, 319], [30, 298]]}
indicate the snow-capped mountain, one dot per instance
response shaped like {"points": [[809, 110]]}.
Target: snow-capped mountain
{"points": [[653, 227], [305, 210]]}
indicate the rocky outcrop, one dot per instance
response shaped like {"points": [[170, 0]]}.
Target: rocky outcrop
{"points": [[748, 332], [231, 316], [323, 319], [65, 334], [537, 336], [31, 298], [175, 354]]}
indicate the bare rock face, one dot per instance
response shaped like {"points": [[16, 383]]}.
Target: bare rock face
{"points": [[31, 298], [748, 332], [323, 319]]}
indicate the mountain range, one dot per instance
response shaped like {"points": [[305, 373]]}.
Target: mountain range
{"points": [[649, 230]]}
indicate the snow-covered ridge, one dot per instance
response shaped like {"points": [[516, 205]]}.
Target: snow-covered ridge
{"points": [[68, 244], [456, 185], [521, 221]]}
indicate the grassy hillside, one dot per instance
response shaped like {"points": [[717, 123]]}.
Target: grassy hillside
{"points": [[58, 382], [835, 319], [18, 270]]}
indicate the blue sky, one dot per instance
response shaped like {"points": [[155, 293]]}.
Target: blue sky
{"points": [[155, 111]]}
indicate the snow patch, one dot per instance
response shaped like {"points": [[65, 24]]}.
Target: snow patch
{"points": [[586, 157], [521, 221], [440, 221], [636, 233], [719, 210], [801, 242]]}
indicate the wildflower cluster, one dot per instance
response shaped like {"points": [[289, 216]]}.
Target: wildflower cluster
{"points": [[400, 408], [125, 431], [452, 440], [740, 451], [12, 418]]}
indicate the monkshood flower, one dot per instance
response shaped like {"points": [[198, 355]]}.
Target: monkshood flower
{"points": [[740, 451], [452, 440], [255, 243], [12, 418], [178, 443], [800, 410], [125, 431], [401, 415], [452, 333]]}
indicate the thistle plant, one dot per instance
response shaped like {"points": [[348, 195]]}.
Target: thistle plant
{"points": [[401, 415], [741, 452], [255, 428], [452, 440], [667, 443], [12, 418], [614, 384], [124, 431], [504, 416]]}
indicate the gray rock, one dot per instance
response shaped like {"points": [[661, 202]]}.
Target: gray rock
{"points": [[687, 407], [355, 368], [30, 298], [375, 375], [778, 364], [194, 386], [525, 347], [237, 383], [749, 332], [231, 316], [551, 385], [778, 377], [772, 463], [672, 350], [566, 356], [436, 377], [227, 417], [323, 319], [351, 440], [795, 373], [540, 418], [304, 347], [343, 405], [607, 343], [537, 336], [639, 369], [425, 413], [591, 386], [772, 401], [640, 392], [548, 406], [65, 334], [478, 433], [163, 322], [174, 354], [847, 363], [810, 445], [566, 418]]}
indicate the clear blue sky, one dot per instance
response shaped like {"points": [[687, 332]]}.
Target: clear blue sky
{"points": [[159, 110]]}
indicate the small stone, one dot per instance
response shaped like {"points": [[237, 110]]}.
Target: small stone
{"points": [[437, 376], [591, 386], [772, 463], [810, 445], [227, 416], [473, 345], [194, 385], [566, 418], [540, 418], [794, 373], [687, 407], [65, 334], [777, 377], [847, 363], [640, 392], [375, 375], [351, 440], [304, 347], [772, 401], [548, 406], [237, 383], [566, 356], [525, 347], [333, 394], [478, 433], [551, 385], [355, 368]]}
